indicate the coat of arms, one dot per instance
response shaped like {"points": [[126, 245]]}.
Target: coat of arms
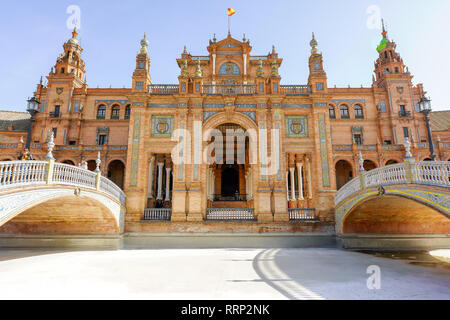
{"points": [[296, 126], [400, 90], [59, 90], [162, 126]]}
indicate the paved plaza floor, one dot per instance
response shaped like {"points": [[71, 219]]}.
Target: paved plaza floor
{"points": [[218, 274]]}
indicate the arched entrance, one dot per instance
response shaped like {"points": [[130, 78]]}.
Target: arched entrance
{"points": [[229, 176], [389, 162], [369, 165], [344, 173], [92, 165], [116, 172], [69, 162]]}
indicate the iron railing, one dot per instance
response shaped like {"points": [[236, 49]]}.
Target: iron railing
{"points": [[300, 214], [157, 214], [230, 214]]}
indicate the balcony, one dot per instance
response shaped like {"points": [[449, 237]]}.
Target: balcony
{"points": [[230, 214], [163, 89], [295, 90], [404, 114], [54, 115], [229, 89]]}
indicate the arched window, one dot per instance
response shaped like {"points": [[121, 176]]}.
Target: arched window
{"points": [[115, 112], [101, 112], [332, 112], [127, 112], [344, 112], [359, 112]]}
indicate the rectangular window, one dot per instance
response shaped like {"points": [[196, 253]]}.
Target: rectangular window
{"points": [[403, 110], [197, 86], [357, 139], [261, 87], [406, 132], [55, 131], [183, 87], [319, 86], [275, 87], [139, 86], [383, 106], [102, 139], [387, 142], [72, 143], [76, 107]]}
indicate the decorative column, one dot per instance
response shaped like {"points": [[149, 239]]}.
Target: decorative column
{"points": [[300, 180], [308, 174], [292, 170], [287, 185], [168, 170], [150, 178], [160, 173]]}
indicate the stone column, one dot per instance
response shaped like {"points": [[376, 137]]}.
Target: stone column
{"points": [[150, 178], [300, 180], [308, 173], [160, 172], [292, 170], [287, 186], [168, 184]]}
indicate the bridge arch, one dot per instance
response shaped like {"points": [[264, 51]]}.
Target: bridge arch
{"points": [[59, 211], [395, 210]]}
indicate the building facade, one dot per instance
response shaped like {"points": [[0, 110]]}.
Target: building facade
{"points": [[229, 141]]}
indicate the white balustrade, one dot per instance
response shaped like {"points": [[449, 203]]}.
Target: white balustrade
{"points": [[432, 173], [22, 173]]}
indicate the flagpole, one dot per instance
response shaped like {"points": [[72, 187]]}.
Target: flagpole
{"points": [[229, 32]]}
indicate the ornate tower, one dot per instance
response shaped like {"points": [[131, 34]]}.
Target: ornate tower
{"points": [[317, 77], [69, 64], [389, 63], [141, 75]]}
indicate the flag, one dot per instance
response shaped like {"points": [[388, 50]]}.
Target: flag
{"points": [[231, 11]]}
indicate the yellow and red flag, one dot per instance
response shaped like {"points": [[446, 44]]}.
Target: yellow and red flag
{"points": [[231, 11]]}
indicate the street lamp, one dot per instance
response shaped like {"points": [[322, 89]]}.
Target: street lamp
{"points": [[32, 108], [425, 109]]}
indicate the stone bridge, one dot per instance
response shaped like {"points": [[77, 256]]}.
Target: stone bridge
{"points": [[45, 197], [398, 206]]}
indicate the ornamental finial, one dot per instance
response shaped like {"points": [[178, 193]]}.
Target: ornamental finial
{"points": [[51, 145], [198, 71], [407, 145], [361, 162], [144, 45], [184, 69], [260, 70], [313, 44], [98, 162]]}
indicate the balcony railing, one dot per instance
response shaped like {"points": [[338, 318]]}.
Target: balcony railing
{"points": [[302, 214], [295, 90], [157, 214], [404, 114], [230, 214], [54, 114], [163, 89], [231, 89]]}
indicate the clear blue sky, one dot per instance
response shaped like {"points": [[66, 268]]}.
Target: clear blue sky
{"points": [[32, 34]]}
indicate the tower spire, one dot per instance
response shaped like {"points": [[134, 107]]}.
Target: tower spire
{"points": [[384, 32]]}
